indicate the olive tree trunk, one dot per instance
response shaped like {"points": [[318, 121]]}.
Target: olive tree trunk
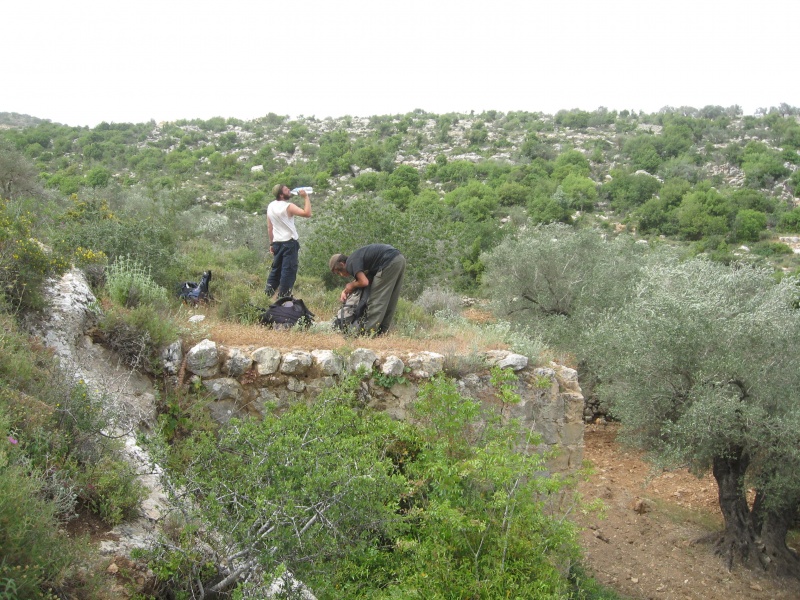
{"points": [[773, 525], [739, 542]]}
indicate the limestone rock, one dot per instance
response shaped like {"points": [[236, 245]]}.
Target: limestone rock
{"points": [[203, 359], [393, 366], [225, 388], [296, 362], [505, 359], [361, 357], [237, 363], [329, 362], [222, 411], [426, 364], [172, 357], [267, 360]]}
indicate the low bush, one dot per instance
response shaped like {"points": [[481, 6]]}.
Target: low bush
{"points": [[25, 262], [411, 320], [435, 299], [111, 488], [770, 249], [35, 555], [460, 364], [129, 284], [240, 303], [36, 559], [149, 237], [93, 264], [455, 508], [138, 335]]}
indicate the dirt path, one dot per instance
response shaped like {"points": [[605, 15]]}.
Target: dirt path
{"points": [[649, 545]]}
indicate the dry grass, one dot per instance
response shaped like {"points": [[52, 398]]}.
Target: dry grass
{"points": [[413, 331], [233, 334], [478, 315]]}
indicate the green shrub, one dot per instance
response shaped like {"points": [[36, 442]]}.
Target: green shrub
{"points": [[368, 182], [111, 488], [25, 263], [51, 430], [790, 221], [129, 284], [770, 249], [238, 305], [761, 165], [18, 366], [487, 531], [35, 556], [148, 238], [255, 201], [748, 225], [301, 500], [138, 335], [434, 299]]}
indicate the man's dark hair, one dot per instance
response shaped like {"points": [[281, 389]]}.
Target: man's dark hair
{"points": [[278, 190], [336, 261]]}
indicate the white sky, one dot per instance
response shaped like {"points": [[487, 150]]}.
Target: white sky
{"points": [[82, 62]]}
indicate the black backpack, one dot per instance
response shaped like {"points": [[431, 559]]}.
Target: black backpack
{"points": [[287, 312], [194, 293], [348, 317]]}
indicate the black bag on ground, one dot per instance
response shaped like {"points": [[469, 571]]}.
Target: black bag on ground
{"points": [[287, 312], [348, 317], [194, 293]]}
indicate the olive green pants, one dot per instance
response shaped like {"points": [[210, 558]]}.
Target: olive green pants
{"points": [[384, 291]]}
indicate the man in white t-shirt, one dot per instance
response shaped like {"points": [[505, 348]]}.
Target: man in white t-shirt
{"points": [[283, 240]]}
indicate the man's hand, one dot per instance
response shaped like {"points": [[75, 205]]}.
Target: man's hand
{"points": [[348, 289]]}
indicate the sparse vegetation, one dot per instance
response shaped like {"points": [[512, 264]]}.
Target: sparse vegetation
{"points": [[54, 458]]}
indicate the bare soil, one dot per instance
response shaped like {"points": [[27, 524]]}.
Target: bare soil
{"points": [[651, 541]]}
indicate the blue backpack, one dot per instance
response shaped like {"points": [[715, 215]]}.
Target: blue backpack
{"points": [[194, 293]]}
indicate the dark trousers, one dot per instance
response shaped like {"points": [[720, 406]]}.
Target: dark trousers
{"points": [[283, 273], [384, 292]]}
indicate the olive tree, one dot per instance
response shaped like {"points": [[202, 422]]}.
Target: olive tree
{"points": [[702, 368], [557, 278]]}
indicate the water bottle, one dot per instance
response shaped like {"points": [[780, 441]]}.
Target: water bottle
{"points": [[296, 191]]}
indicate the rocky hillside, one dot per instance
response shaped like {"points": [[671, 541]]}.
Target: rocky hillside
{"points": [[419, 140]]}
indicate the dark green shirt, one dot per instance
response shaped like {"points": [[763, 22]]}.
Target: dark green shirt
{"points": [[371, 259]]}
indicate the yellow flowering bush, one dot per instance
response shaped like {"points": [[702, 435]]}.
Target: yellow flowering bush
{"points": [[89, 210], [25, 263], [93, 264], [84, 257]]}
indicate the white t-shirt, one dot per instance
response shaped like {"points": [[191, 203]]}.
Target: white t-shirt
{"points": [[283, 228]]}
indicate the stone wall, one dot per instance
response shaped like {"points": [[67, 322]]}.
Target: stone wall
{"points": [[245, 381]]}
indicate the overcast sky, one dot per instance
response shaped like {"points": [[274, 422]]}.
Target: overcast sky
{"points": [[83, 62]]}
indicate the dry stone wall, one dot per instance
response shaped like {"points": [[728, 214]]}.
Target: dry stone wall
{"points": [[250, 381]]}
